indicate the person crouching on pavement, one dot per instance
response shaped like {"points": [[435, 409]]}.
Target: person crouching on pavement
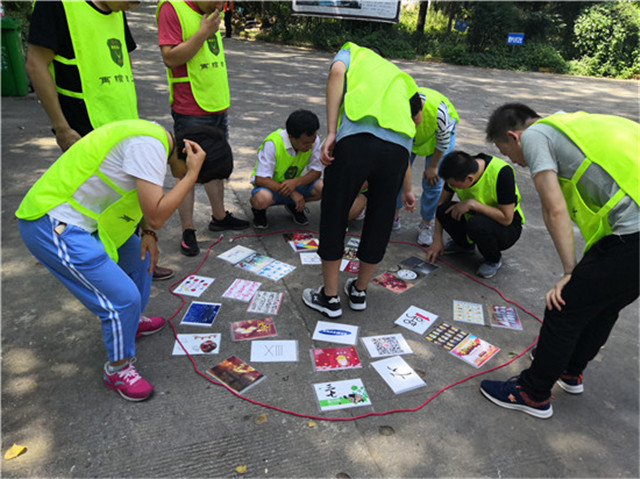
{"points": [[79, 220]]}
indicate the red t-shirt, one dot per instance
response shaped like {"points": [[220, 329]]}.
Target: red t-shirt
{"points": [[170, 33]]}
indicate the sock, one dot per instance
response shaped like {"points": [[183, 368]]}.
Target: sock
{"points": [[114, 369]]}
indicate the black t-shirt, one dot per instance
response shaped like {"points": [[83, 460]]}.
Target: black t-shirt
{"points": [[49, 29], [505, 184]]}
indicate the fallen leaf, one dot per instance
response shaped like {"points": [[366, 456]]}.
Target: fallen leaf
{"points": [[14, 451], [260, 419], [311, 424], [241, 469]]}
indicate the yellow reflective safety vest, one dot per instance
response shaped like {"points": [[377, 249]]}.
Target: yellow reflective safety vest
{"points": [[610, 142], [102, 60], [379, 89], [287, 166], [57, 185], [207, 70], [485, 189], [424, 144]]}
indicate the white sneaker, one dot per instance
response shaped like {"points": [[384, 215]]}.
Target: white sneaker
{"points": [[396, 224], [425, 234]]}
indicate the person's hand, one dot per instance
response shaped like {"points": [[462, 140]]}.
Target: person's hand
{"points": [[431, 175], [299, 200], [210, 23], [408, 200], [459, 209], [435, 250], [326, 150], [195, 156], [287, 187], [148, 243], [554, 295], [65, 137]]}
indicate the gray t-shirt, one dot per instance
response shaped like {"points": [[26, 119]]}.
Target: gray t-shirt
{"points": [[547, 148]]}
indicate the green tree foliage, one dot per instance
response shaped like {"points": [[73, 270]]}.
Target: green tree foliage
{"points": [[607, 39]]}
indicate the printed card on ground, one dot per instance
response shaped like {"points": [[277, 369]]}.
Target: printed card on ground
{"points": [[393, 283], [276, 270], [335, 333], [350, 266], [307, 245], [350, 253], [416, 319], [417, 264], [265, 302], [201, 314], [235, 254], [253, 329], [296, 236], [341, 394], [447, 336], [254, 263], [194, 285], [474, 351], [504, 317], [331, 359], [310, 258], [353, 242], [242, 290], [387, 345], [398, 374], [197, 344], [236, 374], [466, 312], [274, 351]]}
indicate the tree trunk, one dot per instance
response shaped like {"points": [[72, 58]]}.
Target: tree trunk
{"points": [[422, 15]]}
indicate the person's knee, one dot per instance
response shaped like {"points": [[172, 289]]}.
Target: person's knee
{"points": [[262, 199]]}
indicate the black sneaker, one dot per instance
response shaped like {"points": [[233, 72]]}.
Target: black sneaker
{"points": [[189, 244], [509, 394], [357, 299], [229, 222], [299, 217], [316, 299], [259, 219]]}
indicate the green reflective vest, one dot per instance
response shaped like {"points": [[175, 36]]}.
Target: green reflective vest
{"points": [[485, 189], [207, 70], [287, 166], [611, 142], [58, 184], [379, 89], [424, 144], [102, 60]]}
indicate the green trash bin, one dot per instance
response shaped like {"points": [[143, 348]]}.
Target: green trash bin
{"points": [[14, 74]]}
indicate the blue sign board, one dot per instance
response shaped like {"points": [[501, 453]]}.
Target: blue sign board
{"points": [[460, 26], [515, 39]]}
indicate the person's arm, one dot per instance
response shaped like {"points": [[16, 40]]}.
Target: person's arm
{"points": [[37, 65], [437, 246], [408, 198], [431, 171], [503, 214], [157, 206], [335, 88], [148, 243], [288, 187], [177, 55], [558, 222]]}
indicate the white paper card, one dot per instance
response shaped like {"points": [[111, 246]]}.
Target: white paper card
{"points": [[194, 285], [235, 254], [197, 344], [265, 302], [242, 290], [274, 351], [387, 345], [416, 319], [466, 312], [335, 333], [398, 374], [310, 258], [341, 394]]}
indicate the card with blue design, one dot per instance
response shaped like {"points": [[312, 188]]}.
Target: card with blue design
{"points": [[335, 333], [201, 314]]}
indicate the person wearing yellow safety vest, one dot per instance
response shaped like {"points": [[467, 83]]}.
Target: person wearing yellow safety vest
{"points": [[192, 50], [288, 169], [372, 111], [585, 169], [79, 220], [488, 214], [435, 137]]}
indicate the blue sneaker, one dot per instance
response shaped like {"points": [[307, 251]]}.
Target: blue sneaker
{"points": [[569, 383], [509, 394]]}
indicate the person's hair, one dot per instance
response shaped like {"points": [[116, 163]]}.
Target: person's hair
{"points": [[374, 49], [218, 164], [508, 117], [416, 104], [302, 121], [457, 165]]}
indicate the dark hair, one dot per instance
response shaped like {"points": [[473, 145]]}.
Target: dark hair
{"points": [[508, 117], [457, 165], [416, 104], [218, 164], [302, 121]]}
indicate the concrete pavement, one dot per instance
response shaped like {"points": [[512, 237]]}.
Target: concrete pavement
{"points": [[53, 400]]}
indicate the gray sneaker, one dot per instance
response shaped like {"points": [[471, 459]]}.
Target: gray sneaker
{"points": [[357, 299], [425, 234], [488, 269]]}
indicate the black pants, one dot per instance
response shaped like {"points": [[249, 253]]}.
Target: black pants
{"points": [[490, 236], [602, 284], [358, 158]]}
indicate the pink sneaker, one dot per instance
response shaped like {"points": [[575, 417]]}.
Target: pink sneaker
{"points": [[128, 383], [151, 325]]}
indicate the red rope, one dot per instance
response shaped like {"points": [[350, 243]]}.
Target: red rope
{"points": [[322, 418]]}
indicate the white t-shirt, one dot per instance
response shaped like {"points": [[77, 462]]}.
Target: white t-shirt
{"points": [[139, 157], [267, 157]]}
